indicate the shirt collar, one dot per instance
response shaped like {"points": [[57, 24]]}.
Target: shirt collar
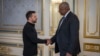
{"points": [[67, 13], [31, 24]]}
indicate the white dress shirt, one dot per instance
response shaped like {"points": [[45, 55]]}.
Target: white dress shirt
{"points": [[63, 18]]}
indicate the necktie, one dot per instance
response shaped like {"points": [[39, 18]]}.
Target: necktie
{"points": [[61, 21]]}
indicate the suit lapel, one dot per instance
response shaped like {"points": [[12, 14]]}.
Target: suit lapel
{"points": [[64, 21]]}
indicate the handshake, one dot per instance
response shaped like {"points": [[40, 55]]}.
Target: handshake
{"points": [[48, 41]]}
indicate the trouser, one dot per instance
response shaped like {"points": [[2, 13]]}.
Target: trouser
{"points": [[64, 54], [74, 55], [31, 55], [34, 55]]}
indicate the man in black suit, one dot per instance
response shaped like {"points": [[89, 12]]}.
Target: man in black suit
{"points": [[30, 38], [67, 35]]}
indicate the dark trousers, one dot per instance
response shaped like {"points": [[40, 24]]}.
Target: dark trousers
{"points": [[64, 54], [74, 55], [31, 55], [34, 55]]}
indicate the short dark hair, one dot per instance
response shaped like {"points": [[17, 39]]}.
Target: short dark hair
{"points": [[29, 13]]}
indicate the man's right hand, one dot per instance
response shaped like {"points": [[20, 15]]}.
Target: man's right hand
{"points": [[48, 42]]}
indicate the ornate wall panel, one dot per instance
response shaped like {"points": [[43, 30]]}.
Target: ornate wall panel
{"points": [[92, 19], [5, 49], [55, 15], [40, 50], [91, 47], [13, 14], [51, 51]]}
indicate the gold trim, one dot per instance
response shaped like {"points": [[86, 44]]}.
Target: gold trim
{"points": [[11, 44], [41, 48], [91, 47], [51, 51], [12, 38], [5, 51], [11, 30], [85, 17], [99, 15], [77, 7], [96, 21], [42, 31], [4, 48], [52, 27]]}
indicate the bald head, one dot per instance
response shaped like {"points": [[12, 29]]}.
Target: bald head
{"points": [[64, 4], [64, 8]]}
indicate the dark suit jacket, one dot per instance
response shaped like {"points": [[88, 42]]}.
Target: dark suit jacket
{"points": [[67, 37], [30, 40]]}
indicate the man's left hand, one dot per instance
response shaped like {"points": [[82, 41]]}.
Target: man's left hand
{"points": [[68, 54]]}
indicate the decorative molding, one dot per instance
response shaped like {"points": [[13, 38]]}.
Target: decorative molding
{"points": [[51, 51], [96, 20], [86, 21], [54, 17], [11, 30], [99, 15], [40, 50], [4, 50], [91, 47], [77, 7], [11, 44], [18, 28]]}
